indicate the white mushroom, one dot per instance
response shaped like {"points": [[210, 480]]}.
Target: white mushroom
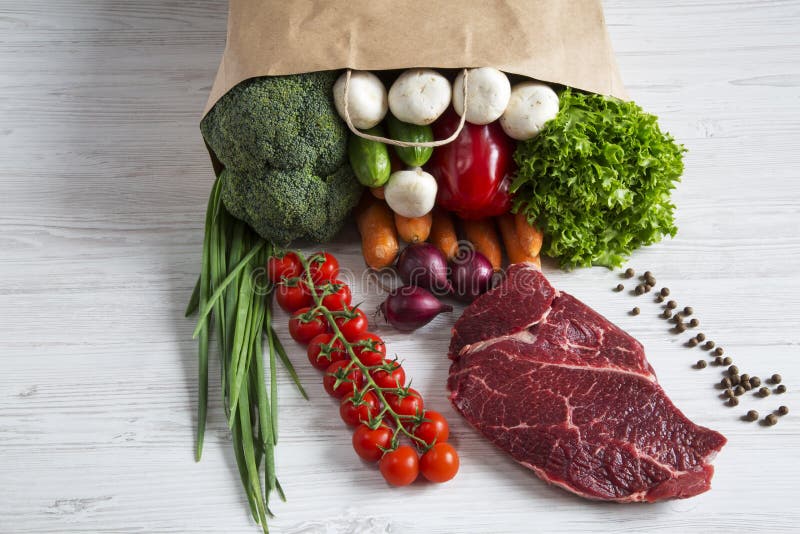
{"points": [[367, 101], [419, 96], [488, 94], [531, 105], [410, 193]]}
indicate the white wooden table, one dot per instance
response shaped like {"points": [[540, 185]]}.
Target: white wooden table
{"points": [[104, 180]]}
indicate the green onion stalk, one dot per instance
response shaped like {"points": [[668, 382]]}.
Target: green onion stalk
{"points": [[233, 298]]}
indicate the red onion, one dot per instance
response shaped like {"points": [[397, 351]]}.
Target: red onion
{"points": [[411, 307], [471, 275], [425, 266]]}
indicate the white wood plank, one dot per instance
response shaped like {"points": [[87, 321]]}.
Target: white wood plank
{"points": [[104, 179]]}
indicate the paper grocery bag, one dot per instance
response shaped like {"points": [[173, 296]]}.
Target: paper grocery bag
{"points": [[557, 41]]}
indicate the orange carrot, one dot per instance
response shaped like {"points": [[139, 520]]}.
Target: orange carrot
{"points": [[378, 234], [483, 236], [530, 237], [443, 233], [514, 250], [413, 229]]}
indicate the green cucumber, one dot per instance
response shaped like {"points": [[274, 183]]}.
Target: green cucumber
{"points": [[369, 159], [403, 131]]}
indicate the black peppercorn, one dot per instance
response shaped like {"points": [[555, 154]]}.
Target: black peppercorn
{"points": [[664, 291], [752, 415], [764, 391], [694, 323], [636, 311], [719, 351], [727, 360], [776, 378], [700, 337], [708, 345], [755, 381], [780, 389], [701, 364], [771, 419], [619, 287], [629, 273], [783, 410], [733, 401]]}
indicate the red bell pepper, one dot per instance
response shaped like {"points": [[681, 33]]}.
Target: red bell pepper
{"points": [[474, 171]]}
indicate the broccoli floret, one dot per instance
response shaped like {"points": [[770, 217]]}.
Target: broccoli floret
{"points": [[284, 205], [284, 151], [283, 122]]}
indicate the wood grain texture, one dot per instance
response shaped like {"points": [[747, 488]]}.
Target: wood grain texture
{"points": [[104, 182]]}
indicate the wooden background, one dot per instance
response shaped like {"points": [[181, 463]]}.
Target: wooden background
{"points": [[103, 184]]}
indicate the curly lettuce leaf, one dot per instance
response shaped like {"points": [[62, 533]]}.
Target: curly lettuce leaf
{"points": [[597, 180]]}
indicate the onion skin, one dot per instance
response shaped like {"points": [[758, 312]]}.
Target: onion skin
{"points": [[425, 266], [470, 274], [411, 307]]}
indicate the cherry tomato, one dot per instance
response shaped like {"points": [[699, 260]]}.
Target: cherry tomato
{"points": [[356, 409], [400, 467], [323, 267], [440, 463], [352, 325], [321, 352], [303, 326], [369, 444], [409, 405], [340, 298], [349, 380], [395, 377], [292, 295], [286, 266], [369, 349], [435, 429]]}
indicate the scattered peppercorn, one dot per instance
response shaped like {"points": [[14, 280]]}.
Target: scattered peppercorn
{"points": [[692, 342], [647, 274], [639, 289], [733, 401], [727, 360], [694, 323], [745, 377], [764, 391], [746, 384], [783, 410], [680, 328], [708, 345], [780, 389], [650, 282], [725, 382], [636, 311], [728, 393], [672, 305], [629, 273], [738, 391], [771, 419], [752, 415], [776, 378], [619, 287], [660, 298], [677, 319], [688, 310], [701, 364], [755, 381], [666, 314], [733, 370], [664, 291], [735, 380], [700, 337], [719, 351], [718, 360], [647, 288]]}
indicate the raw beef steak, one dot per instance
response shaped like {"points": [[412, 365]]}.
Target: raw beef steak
{"points": [[572, 397]]}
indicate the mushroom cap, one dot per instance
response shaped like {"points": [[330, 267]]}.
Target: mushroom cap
{"points": [[411, 193], [367, 99], [488, 92], [419, 96], [531, 105]]}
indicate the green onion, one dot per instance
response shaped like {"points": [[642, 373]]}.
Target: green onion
{"points": [[226, 296]]}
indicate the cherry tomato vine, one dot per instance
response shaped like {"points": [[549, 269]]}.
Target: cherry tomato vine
{"points": [[374, 396]]}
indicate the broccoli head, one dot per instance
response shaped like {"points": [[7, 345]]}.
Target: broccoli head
{"points": [[282, 122], [284, 205], [284, 149]]}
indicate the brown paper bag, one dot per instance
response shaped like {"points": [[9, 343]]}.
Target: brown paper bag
{"points": [[558, 41]]}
